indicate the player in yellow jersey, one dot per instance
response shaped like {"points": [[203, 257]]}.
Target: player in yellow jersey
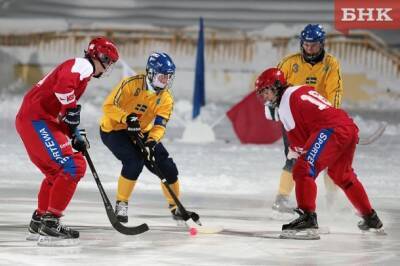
{"points": [[140, 106], [315, 67]]}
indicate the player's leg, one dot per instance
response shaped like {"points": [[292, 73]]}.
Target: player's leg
{"points": [[331, 190], [343, 175], [50, 151], [168, 168], [321, 148], [286, 182], [120, 144]]}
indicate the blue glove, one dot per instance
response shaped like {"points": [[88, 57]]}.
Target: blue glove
{"points": [[79, 140]]}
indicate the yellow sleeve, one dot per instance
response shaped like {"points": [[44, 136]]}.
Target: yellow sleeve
{"points": [[334, 84], [163, 114], [285, 66], [114, 101]]}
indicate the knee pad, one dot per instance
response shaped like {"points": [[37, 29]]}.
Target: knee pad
{"points": [[75, 168], [301, 169], [347, 183], [169, 170], [131, 169]]}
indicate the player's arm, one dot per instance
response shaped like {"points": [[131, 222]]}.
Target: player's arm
{"points": [[164, 112], [64, 91], [112, 105], [285, 65], [334, 84]]}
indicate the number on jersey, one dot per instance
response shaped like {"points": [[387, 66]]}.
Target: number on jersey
{"points": [[317, 99]]}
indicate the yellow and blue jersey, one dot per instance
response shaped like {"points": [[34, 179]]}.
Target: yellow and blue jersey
{"points": [[132, 95], [324, 76]]}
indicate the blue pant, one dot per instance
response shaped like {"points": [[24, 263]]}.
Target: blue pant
{"points": [[132, 159]]}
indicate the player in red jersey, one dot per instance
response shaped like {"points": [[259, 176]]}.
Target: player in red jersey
{"points": [[47, 119], [320, 137]]}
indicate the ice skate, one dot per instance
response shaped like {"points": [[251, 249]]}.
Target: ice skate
{"points": [[177, 216], [371, 223], [34, 227], [53, 233], [304, 227], [281, 209], [121, 210]]}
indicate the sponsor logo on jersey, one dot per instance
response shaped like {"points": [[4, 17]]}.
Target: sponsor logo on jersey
{"points": [[54, 149], [66, 144], [316, 148], [65, 98]]}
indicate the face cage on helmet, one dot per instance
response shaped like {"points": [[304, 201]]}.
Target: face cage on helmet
{"points": [[314, 56], [104, 60], [152, 75], [260, 96]]}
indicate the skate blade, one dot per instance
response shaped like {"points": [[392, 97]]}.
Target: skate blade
{"points": [[282, 216], [32, 236], [50, 241], [308, 234], [381, 231]]}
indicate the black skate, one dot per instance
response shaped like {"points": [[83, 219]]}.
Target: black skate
{"points": [[177, 216], [53, 233], [304, 227], [34, 227], [121, 211], [371, 222]]}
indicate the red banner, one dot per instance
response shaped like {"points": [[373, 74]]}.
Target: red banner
{"points": [[249, 122], [367, 14]]}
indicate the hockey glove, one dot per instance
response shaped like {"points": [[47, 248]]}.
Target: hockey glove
{"points": [[79, 141], [294, 153], [72, 118], [149, 152], [133, 125]]}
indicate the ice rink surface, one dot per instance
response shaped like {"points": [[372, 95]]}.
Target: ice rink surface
{"points": [[228, 184]]}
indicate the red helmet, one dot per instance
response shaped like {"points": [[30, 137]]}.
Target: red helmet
{"points": [[104, 50], [272, 78]]}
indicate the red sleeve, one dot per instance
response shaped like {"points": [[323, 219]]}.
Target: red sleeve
{"points": [[65, 84], [69, 76]]}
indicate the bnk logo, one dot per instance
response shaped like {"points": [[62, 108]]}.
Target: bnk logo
{"points": [[367, 14]]}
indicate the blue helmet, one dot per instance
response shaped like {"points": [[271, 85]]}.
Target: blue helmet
{"points": [[312, 33], [160, 63]]}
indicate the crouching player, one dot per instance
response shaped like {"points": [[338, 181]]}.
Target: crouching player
{"points": [[320, 137]]}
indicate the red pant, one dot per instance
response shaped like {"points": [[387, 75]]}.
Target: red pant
{"points": [[333, 149], [49, 149]]}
